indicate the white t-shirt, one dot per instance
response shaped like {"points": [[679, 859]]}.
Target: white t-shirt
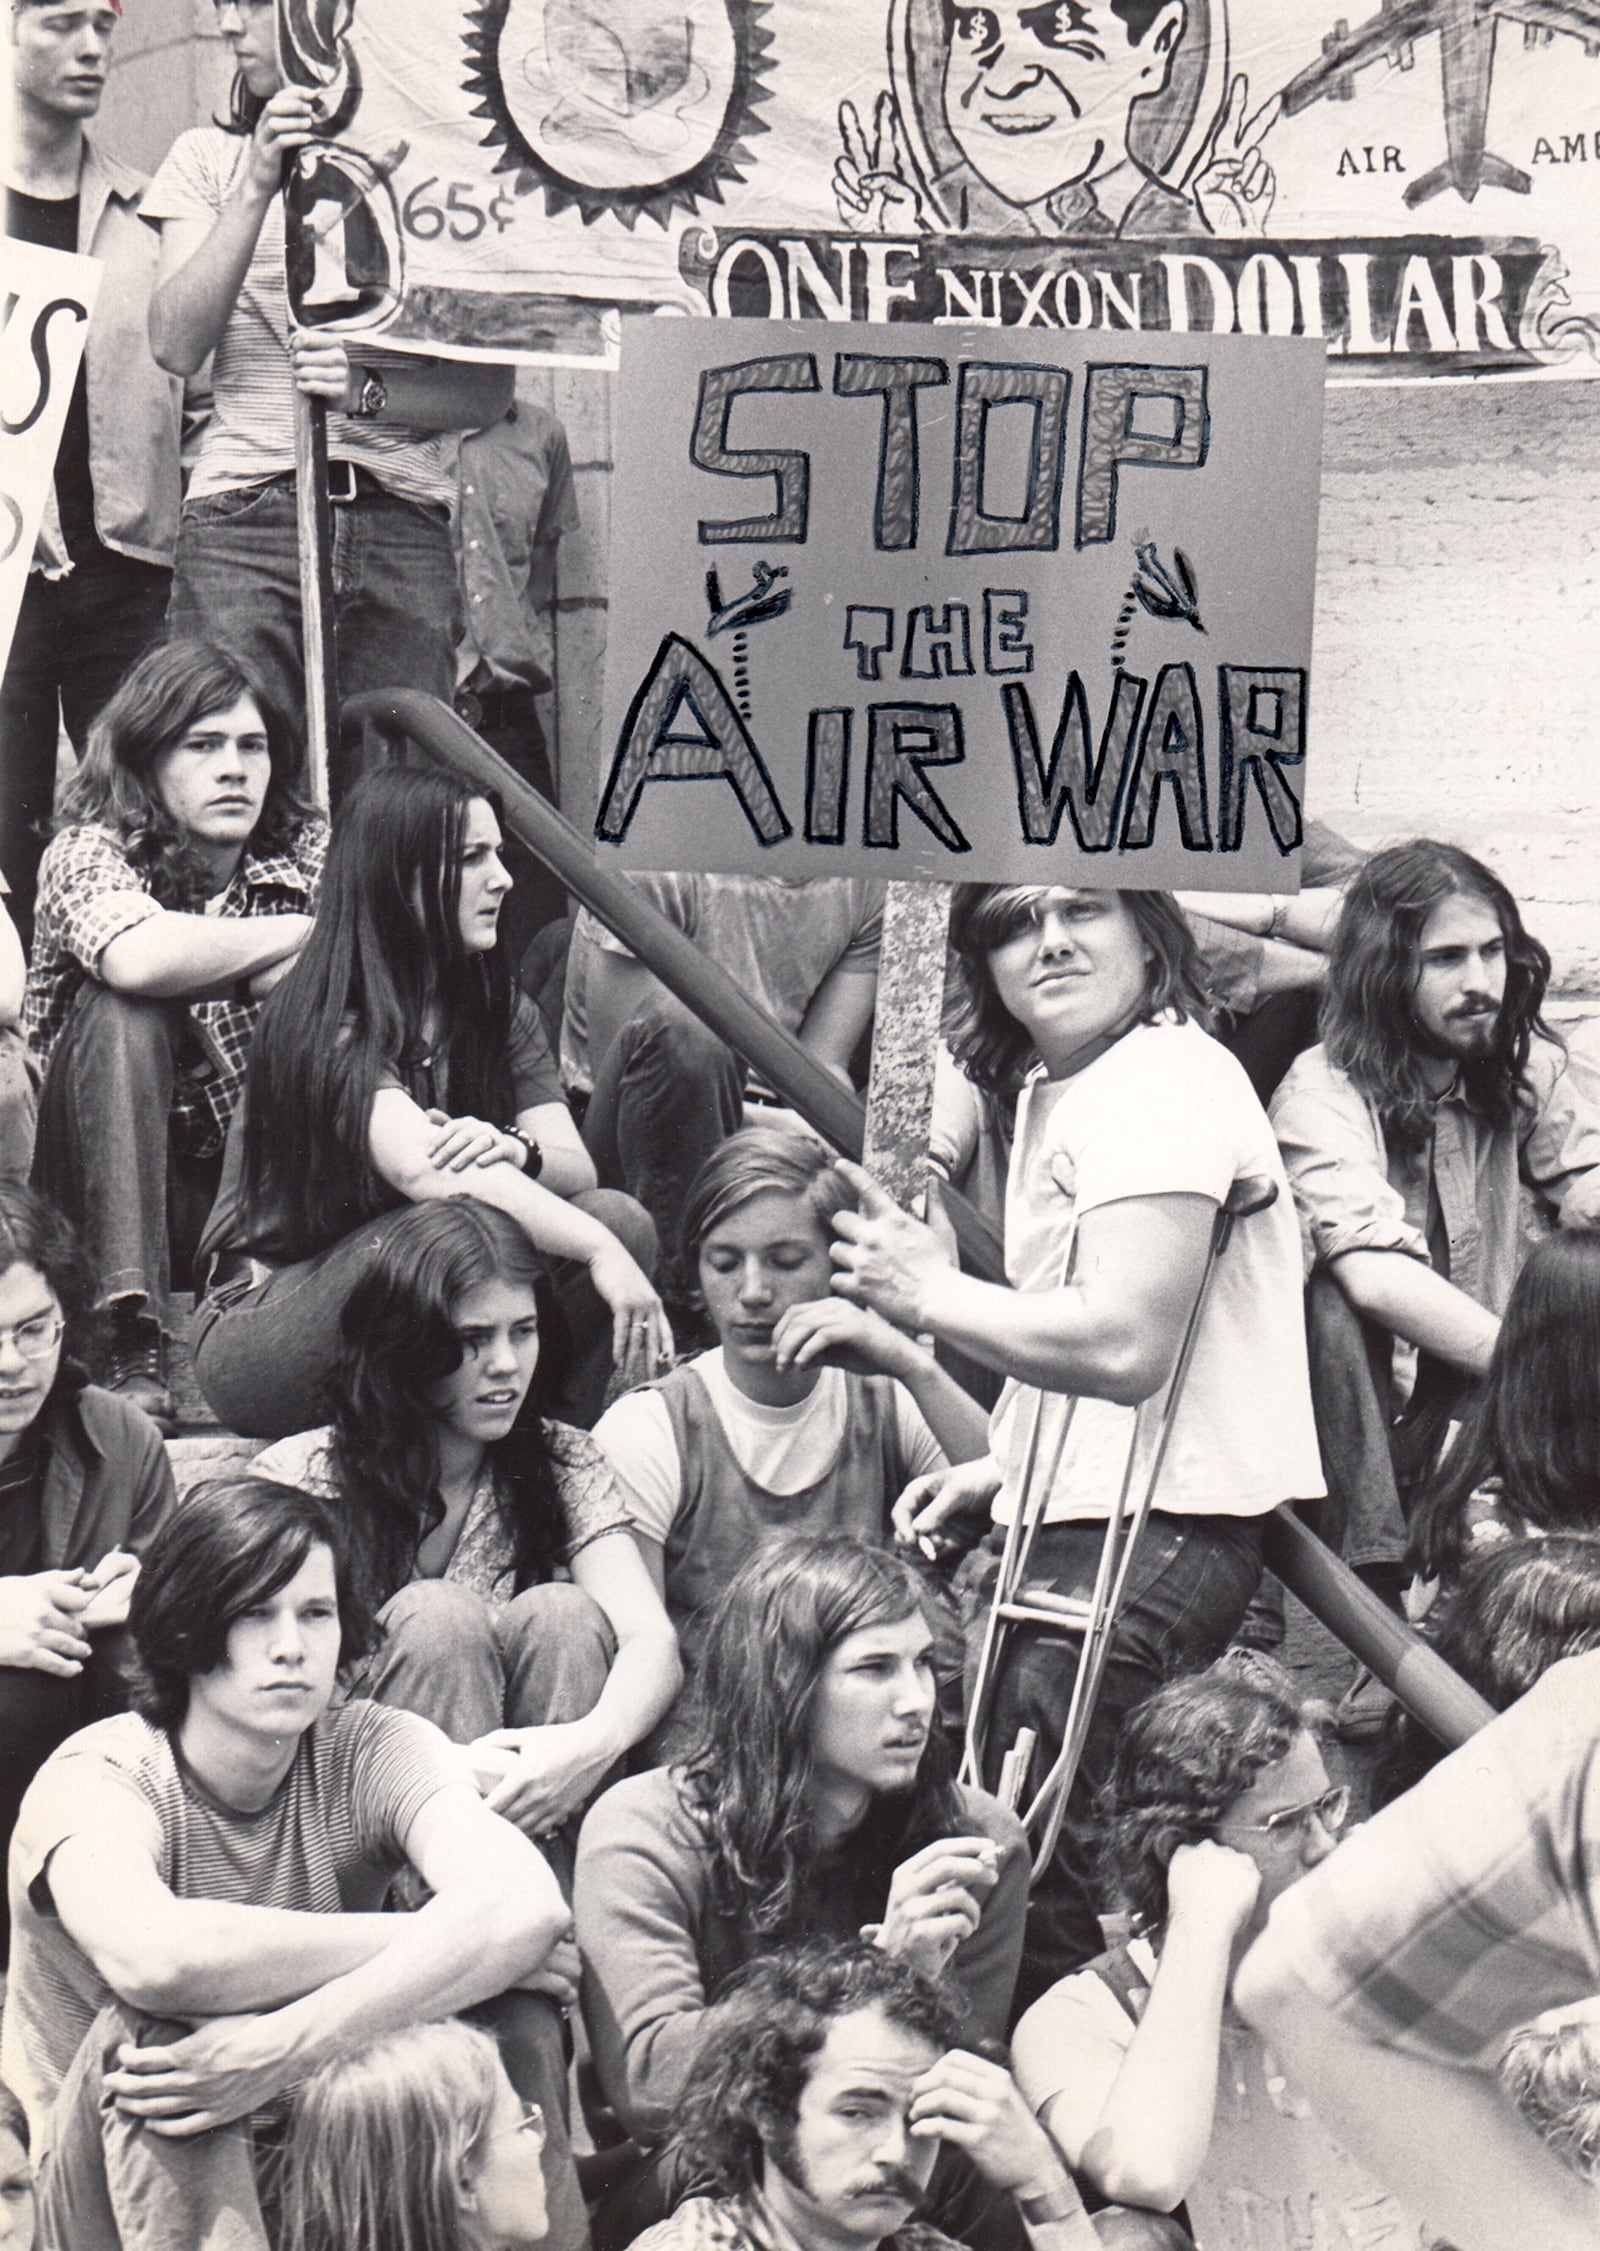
{"points": [[784, 1450], [1273, 2179], [1167, 1111]]}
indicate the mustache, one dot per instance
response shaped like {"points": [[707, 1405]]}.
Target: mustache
{"points": [[892, 2182]]}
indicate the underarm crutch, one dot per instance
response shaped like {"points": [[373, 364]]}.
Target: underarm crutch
{"points": [[1016, 1604]]}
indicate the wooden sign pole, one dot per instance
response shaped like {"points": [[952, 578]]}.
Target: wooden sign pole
{"points": [[905, 1039], [315, 518]]}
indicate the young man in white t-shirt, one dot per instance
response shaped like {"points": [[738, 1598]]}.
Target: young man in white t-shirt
{"points": [[810, 1415], [1129, 1137]]}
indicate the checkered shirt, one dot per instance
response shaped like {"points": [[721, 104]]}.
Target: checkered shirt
{"points": [[90, 892], [1472, 1903]]}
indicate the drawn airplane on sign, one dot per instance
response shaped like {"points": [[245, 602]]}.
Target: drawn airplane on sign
{"points": [[1468, 30]]}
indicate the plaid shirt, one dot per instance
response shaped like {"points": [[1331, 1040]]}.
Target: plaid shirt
{"points": [[1472, 1903], [742, 2223], [90, 892]]}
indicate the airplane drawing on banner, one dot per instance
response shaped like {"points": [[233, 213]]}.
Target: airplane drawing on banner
{"points": [[1468, 31]]}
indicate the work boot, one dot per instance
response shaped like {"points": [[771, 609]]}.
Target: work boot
{"points": [[135, 1363]]}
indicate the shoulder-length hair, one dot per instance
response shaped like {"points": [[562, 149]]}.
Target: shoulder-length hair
{"points": [[749, 1784], [1511, 1613], [988, 1042], [397, 1340], [760, 1161], [169, 691], [1367, 1020], [234, 1542], [1534, 1429], [383, 2144], [33, 1233], [1186, 1755], [764, 2037], [385, 958]]}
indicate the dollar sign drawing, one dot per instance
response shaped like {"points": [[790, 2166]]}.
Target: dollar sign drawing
{"points": [[502, 219]]}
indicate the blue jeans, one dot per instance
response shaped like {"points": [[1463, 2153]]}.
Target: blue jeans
{"points": [[1188, 1589], [396, 597]]}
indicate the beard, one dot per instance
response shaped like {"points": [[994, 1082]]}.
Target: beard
{"points": [[1467, 1039]]}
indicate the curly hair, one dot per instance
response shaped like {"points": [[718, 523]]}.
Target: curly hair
{"points": [[1534, 1428], [385, 959], [397, 1340], [169, 691], [234, 1542], [765, 2033], [381, 2144], [989, 1044], [33, 1233], [748, 1786], [1367, 1020], [1552, 2075], [1511, 1613], [1186, 1755]]}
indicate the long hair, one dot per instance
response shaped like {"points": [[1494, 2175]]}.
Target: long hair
{"points": [[768, 2026], [397, 1340], [1186, 1755], [988, 1042], [234, 1542], [1535, 1423], [33, 1233], [170, 690], [381, 2144], [1512, 1612], [749, 1783], [385, 956], [759, 1161], [1367, 1022], [1535, 1426]]}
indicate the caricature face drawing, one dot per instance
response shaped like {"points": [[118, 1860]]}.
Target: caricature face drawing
{"points": [[1040, 97]]}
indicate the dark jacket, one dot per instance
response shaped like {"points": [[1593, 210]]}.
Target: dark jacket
{"points": [[107, 1483]]}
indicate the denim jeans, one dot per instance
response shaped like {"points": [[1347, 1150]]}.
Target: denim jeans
{"points": [[19, 1104], [665, 1094], [103, 1148], [396, 597], [76, 637], [262, 1355], [1189, 1587]]}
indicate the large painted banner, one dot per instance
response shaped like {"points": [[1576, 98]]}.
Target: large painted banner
{"points": [[49, 297], [921, 602], [1416, 186]]}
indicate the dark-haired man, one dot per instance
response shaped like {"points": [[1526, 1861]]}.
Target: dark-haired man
{"points": [[1436, 1095], [819, 2105], [218, 1857], [98, 581]]}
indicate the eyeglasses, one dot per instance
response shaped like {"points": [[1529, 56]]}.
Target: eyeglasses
{"points": [[35, 1339], [531, 2122], [1332, 1809]]}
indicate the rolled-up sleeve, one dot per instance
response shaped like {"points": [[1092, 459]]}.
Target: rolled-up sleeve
{"points": [[91, 894], [1334, 1155], [1561, 1151]]}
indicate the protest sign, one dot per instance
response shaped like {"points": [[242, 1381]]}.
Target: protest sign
{"points": [[929, 603], [1410, 183], [49, 297]]}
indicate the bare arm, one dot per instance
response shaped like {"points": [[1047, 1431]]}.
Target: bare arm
{"points": [[568, 1168], [1477, 2174], [13, 972], [173, 956], [840, 1011], [1306, 919], [1111, 1333], [833, 1333], [1402, 1294]]}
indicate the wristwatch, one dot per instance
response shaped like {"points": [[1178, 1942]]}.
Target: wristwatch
{"points": [[533, 1155], [372, 397]]}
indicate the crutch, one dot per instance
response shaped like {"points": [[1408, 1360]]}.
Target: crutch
{"points": [[1017, 1604]]}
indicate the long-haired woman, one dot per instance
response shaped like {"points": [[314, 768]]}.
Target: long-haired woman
{"points": [[217, 203], [1156, 2092], [1527, 1459], [1131, 1130], [460, 1502], [418, 2142], [396, 1064], [813, 1798]]}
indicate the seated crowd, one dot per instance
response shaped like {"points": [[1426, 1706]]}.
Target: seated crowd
{"points": [[518, 1802]]}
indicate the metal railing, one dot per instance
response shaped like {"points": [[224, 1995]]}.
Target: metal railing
{"points": [[1405, 1663]]}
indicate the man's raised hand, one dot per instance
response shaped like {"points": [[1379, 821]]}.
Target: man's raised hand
{"points": [[883, 1258]]}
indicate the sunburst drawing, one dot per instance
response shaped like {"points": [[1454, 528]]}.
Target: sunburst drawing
{"points": [[620, 106]]}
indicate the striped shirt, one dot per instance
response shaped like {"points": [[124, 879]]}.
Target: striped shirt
{"points": [[250, 435], [328, 1841]]}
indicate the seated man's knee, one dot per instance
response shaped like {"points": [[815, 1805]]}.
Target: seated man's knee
{"points": [[626, 1218], [666, 1025], [1120, 2228]]}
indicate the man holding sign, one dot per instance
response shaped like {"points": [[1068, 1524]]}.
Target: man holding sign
{"points": [[97, 587]]}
